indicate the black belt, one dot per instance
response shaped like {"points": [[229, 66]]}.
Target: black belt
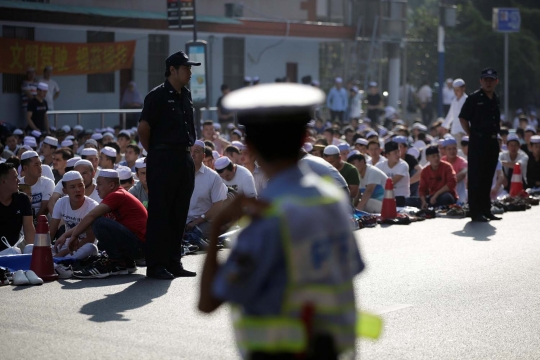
{"points": [[171, 147], [486, 135]]}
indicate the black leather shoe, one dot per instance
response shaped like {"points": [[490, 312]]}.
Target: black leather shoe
{"points": [[493, 217], [179, 271], [480, 218], [160, 273]]}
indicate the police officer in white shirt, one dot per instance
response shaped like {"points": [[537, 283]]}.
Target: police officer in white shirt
{"points": [[452, 122], [236, 176]]}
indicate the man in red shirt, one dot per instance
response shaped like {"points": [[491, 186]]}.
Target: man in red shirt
{"points": [[437, 182], [459, 165], [119, 223]]}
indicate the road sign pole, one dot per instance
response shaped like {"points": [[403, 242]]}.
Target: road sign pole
{"points": [[506, 93], [441, 71], [194, 20]]}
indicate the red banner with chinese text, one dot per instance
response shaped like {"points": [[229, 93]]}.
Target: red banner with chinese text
{"points": [[66, 58]]}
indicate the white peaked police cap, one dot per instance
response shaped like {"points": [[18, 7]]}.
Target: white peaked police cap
{"points": [[222, 163], [109, 173], [51, 141], [124, 173], [72, 175], [89, 152], [140, 164], [109, 151], [28, 155], [71, 162], [84, 162]]}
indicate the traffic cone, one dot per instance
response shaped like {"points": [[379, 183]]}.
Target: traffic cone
{"points": [[389, 202], [42, 260], [516, 187]]}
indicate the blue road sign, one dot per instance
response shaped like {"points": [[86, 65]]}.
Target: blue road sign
{"points": [[506, 19]]}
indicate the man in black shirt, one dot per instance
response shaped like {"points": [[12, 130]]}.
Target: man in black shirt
{"points": [[15, 208], [374, 103], [223, 114], [533, 165], [36, 113], [480, 117], [167, 132]]}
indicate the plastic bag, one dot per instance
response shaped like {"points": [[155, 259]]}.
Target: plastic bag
{"points": [[11, 250]]}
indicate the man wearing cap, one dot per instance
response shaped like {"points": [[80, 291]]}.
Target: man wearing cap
{"points": [[337, 101], [91, 155], [372, 183], [126, 177], [140, 190], [11, 144], [284, 260], [208, 194], [107, 158], [452, 122], [54, 90], [533, 165], [397, 170], [167, 132], [123, 139], [374, 103], [480, 118], [448, 95], [344, 150], [42, 187], [236, 176], [361, 144], [36, 112], [48, 147], [350, 174], [459, 165], [512, 156], [323, 168]]}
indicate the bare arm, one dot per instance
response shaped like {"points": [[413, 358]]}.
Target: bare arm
{"points": [[353, 190], [87, 221], [29, 120], [416, 177], [461, 175], [366, 196], [207, 216], [28, 229], [397, 178], [52, 201], [53, 227], [144, 134], [44, 210]]}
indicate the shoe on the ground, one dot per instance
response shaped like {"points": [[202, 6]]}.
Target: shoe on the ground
{"points": [[496, 210], [140, 262], [83, 263], [33, 278], [63, 271], [19, 278], [493, 217], [4, 276], [99, 269], [159, 273], [178, 271], [480, 218], [131, 266]]}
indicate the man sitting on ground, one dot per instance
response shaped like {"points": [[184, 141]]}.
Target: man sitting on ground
{"points": [[126, 177], [533, 165], [459, 165], [60, 158], [349, 172], [42, 187], [372, 183], [248, 161], [140, 190], [398, 170], [233, 153], [131, 155], [374, 150], [235, 176], [512, 156], [107, 158]]}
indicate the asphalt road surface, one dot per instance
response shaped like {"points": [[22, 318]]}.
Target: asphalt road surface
{"points": [[447, 289]]}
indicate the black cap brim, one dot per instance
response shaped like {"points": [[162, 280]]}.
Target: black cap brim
{"points": [[191, 63], [489, 76]]}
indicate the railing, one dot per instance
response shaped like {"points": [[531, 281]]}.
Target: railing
{"points": [[123, 112]]}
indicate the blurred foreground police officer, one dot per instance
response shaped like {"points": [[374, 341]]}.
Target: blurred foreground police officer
{"points": [[290, 273], [480, 117], [167, 132]]}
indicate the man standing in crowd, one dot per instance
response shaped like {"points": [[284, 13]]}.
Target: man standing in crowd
{"points": [[223, 114], [448, 95], [167, 132], [236, 176], [54, 90], [42, 187], [374, 103], [397, 170], [28, 89], [480, 118], [36, 112], [337, 101], [425, 95], [451, 122], [372, 183], [349, 172]]}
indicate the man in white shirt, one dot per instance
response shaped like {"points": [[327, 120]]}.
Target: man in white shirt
{"points": [[447, 95], [452, 122], [42, 187], [374, 150], [512, 156], [208, 194], [372, 182], [398, 171], [54, 90], [425, 95], [248, 161], [235, 176]]}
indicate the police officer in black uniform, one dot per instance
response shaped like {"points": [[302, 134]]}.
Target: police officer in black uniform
{"points": [[167, 131], [480, 117]]}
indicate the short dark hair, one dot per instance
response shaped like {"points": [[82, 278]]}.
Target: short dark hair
{"points": [[168, 70], [208, 122], [13, 160], [374, 142], [231, 149], [65, 152], [135, 148], [330, 130], [229, 167], [4, 169], [210, 144], [130, 180], [208, 152], [224, 87], [27, 162], [124, 135], [358, 157]]}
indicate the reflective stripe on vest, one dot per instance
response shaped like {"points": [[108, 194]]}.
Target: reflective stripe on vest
{"points": [[270, 334]]}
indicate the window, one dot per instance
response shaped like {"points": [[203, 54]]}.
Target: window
{"points": [[11, 83], [158, 51], [233, 62], [100, 83]]}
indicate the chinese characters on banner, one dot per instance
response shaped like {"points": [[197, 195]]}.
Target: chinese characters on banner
{"points": [[66, 58]]}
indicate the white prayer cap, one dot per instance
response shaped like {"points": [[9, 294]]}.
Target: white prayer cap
{"points": [[66, 128], [315, 83], [109, 173], [36, 133], [91, 142], [256, 78], [535, 139], [52, 141], [70, 137], [512, 137], [383, 131], [52, 128], [222, 163], [389, 111], [199, 143], [371, 133], [109, 129], [414, 152], [43, 86], [530, 129], [72, 175], [27, 147], [109, 134], [465, 139], [30, 142], [352, 153], [66, 143], [215, 154], [238, 144], [84, 162], [71, 162], [29, 154], [230, 126], [247, 79], [140, 164], [89, 152], [361, 141], [18, 132], [78, 128], [458, 83], [217, 126], [124, 173], [372, 84], [344, 147], [449, 80], [339, 80], [97, 136], [237, 132], [125, 132], [419, 144], [331, 150], [308, 147], [109, 151]]}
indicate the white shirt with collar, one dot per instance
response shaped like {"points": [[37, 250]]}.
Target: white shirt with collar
{"points": [[243, 182], [209, 189], [452, 118], [448, 95]]}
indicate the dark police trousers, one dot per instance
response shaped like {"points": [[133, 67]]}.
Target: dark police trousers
{"points": [[483, 157], [171, 179]]}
